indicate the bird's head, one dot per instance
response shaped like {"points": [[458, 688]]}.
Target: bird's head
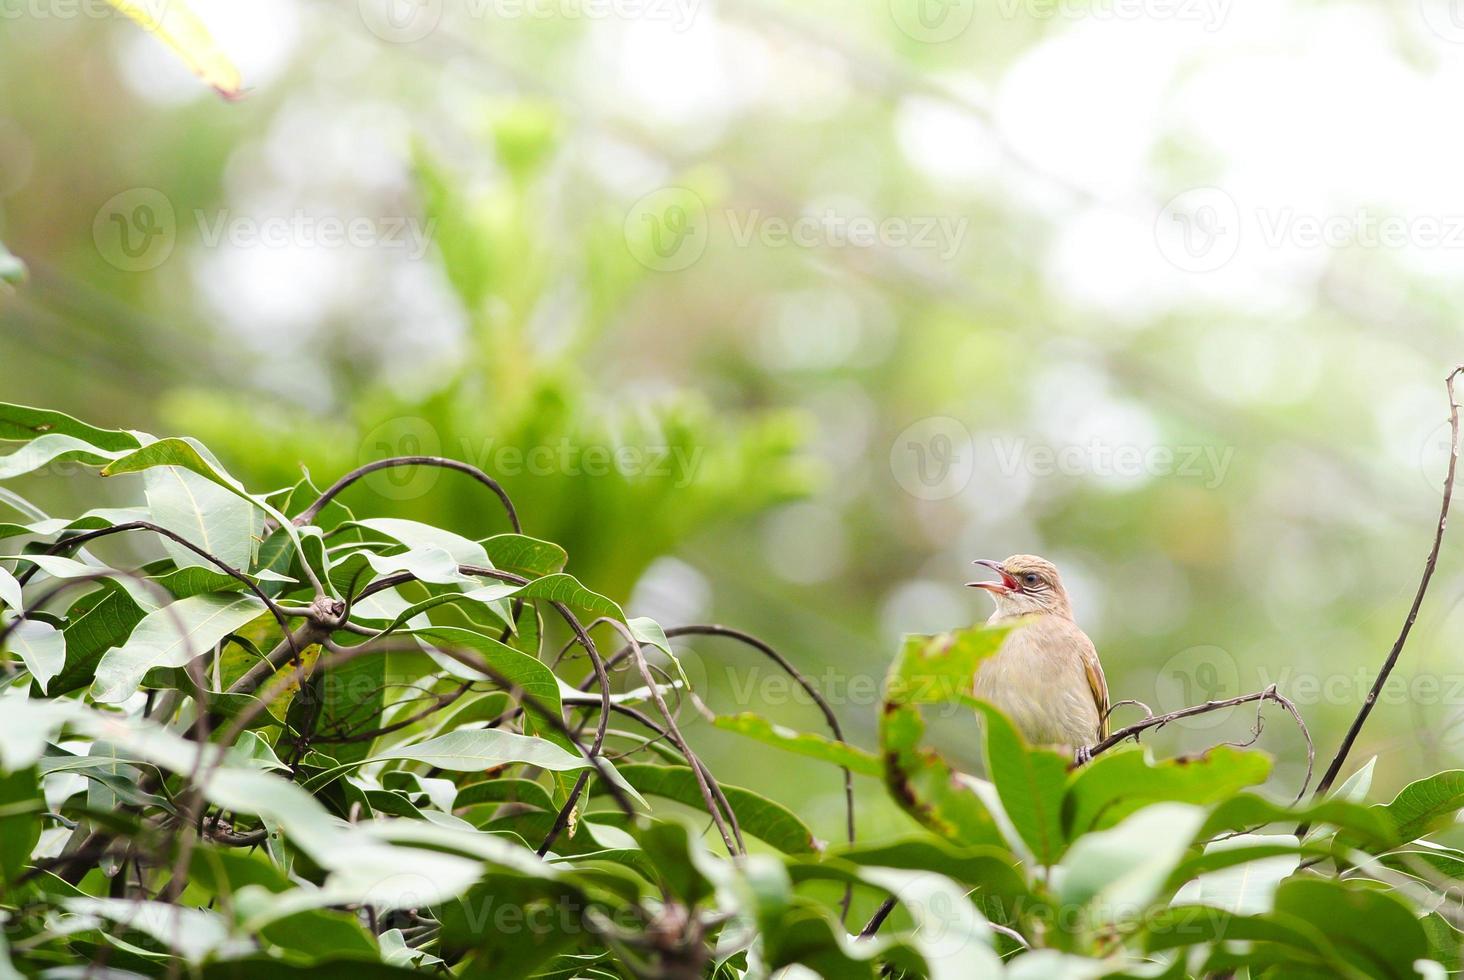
{"points": [[1028, 585]]}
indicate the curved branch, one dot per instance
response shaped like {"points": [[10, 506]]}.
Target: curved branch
{"points": [[1159, 721], [581, 635], [439, 701], [97, 576], [1335, 767], [309, 514], [66, 544], [733, 837], [766, 650], [337, 656]]}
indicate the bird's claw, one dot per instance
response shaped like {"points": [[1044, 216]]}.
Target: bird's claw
{"points": [[1082, 755]]}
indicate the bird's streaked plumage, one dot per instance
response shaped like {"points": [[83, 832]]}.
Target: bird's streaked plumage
{"points": [[1046, 677]]}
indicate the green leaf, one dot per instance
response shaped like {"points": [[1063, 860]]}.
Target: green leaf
{"points": [[530, 674], [335, 968], [758, 816], [1375, 931], [433, 565], [476, 749], [361, 862], [940, 669], [428, 564], [1445, 943], [991, 871], [524, 791], [60, 567], [223, 871], [354, 697], [191, 455], [21, 805], [42, 648], [204, 513], [1355, 787], [524, 555], [1424, 806], [1247, 886], [1116, 784], [1124, 868], [185, 582], [677, 853], [950, 941], [22, 423], [1031, 783], [49, 449], [318, 934], [513, 922], [950, 935], [10, 591], [1247, 811], [194, 933], [416, 535], [934, 670], [802, 743], [104, 623], [558, 587], [1276, 936], [49, 528], [181, 30], [157, 641]]}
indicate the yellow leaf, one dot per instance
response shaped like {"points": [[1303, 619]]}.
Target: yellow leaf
{"points": [[180, 29]]}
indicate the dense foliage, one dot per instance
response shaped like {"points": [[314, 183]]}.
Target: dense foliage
{"points": [[333, 744]]}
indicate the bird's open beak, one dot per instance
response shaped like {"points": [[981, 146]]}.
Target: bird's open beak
{"points": [[1006, 586]]}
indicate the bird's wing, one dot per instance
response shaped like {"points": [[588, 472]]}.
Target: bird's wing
{"points": [[1098, 684]]}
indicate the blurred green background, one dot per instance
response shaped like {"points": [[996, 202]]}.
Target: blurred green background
{"points": [[780, 314]]}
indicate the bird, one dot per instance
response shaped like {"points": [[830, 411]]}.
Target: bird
{"points": [[1045, 676]]}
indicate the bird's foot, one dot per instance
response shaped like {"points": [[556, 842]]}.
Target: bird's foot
{"points": [[1082, 755]]}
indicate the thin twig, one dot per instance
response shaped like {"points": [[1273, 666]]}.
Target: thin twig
{"points": [[747, 639], [309, 514], [67, 544], [732, 836], [439, 701], [1159, 721], [1330, 776]]}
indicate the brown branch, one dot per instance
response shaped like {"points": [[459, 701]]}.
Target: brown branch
{"points": [[813, 692], [732, 836], [309, 514], [1159, 721], [439, 701], [1330, 776], [68, 544]]}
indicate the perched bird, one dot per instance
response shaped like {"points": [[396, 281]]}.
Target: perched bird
{"points": [[1046, 676]]}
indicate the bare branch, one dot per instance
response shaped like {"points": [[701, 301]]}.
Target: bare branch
{"points": [[733, 837], [1330, 776], [1159, 721], [309, 514]]}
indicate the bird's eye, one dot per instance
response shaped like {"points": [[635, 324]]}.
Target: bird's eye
{"points": [[1031, 579]]}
